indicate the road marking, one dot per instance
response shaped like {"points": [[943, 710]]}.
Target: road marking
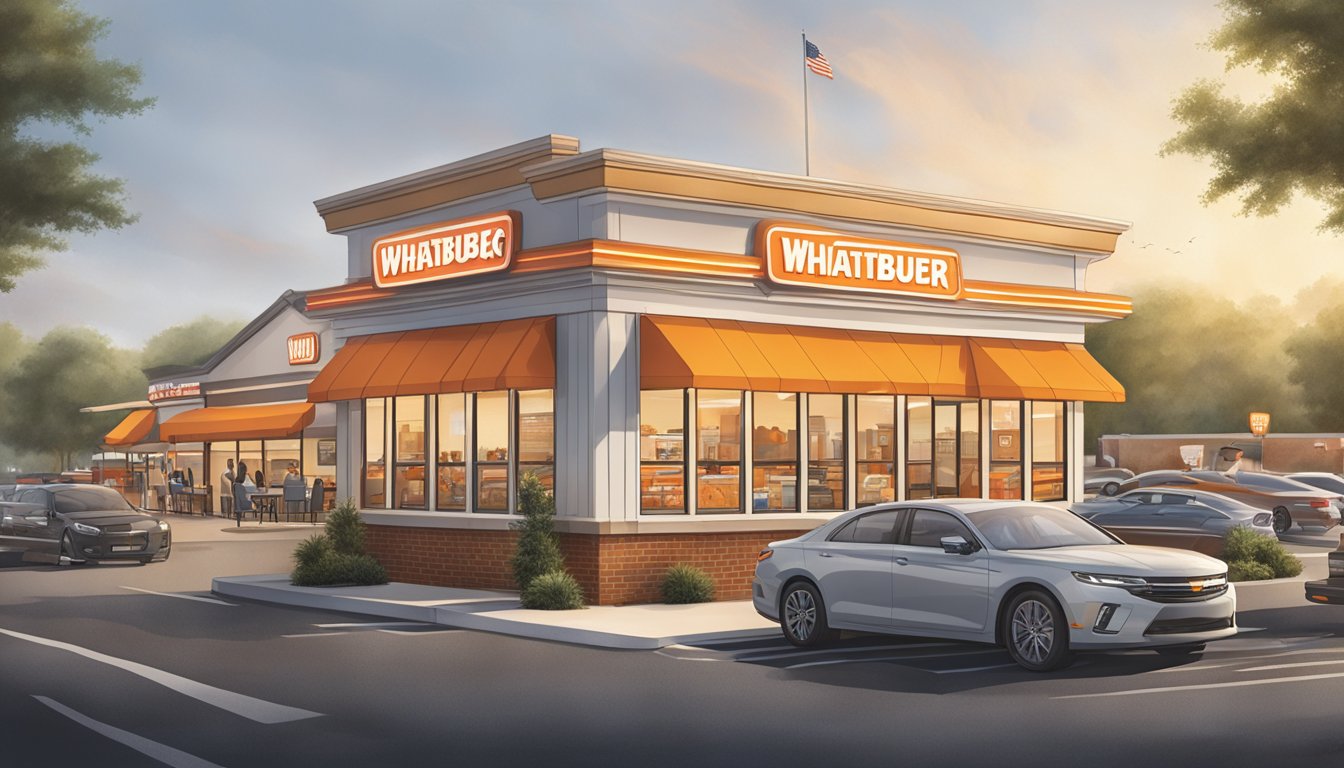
{"points": [[919, 657], [1199, 668], [1203, 687], [436, 631], [318, 634], [181, 596], [258, 710], [970, 669], [833, 651], [375, 624], [1291, 666], [161, 752], [659, 652]]}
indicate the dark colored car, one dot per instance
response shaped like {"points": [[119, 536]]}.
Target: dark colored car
{"points": [[1302, 505], [73, 524], [1331, 589], [1104, 480], [1170, 517]]}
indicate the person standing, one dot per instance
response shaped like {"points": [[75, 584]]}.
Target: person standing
{"points": [[226, 488]]}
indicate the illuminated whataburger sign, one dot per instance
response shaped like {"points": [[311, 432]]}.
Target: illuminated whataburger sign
{"points": [[807, 255], [172, 391], [446, 250], [303, 348]]}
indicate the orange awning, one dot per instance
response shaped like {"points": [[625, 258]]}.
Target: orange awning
{"points": [[133, 429], [678, 352], [515, 354], [242, 422]]}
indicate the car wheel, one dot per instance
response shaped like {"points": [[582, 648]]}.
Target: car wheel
{"points": [[1282, 521], [803, 616], [1110, 489], [68, 552], [1181, 650], [1036, 635]]}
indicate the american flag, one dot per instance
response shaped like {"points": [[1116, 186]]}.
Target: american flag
{"points": [[817, 62]]}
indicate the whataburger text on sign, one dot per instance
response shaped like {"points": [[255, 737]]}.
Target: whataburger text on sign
{"points": [[446, 250], [807, 255]]}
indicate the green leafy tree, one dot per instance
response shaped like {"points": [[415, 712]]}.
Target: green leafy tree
{"points": [[1317, 358], [1293, 140], [68, 369], [51, 77], [1194, 362], [189, 343]]}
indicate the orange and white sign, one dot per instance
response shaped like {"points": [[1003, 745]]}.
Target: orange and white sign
{"points": [[303, 348], [1259, 423], [450, 249], [170, 390], [803, 254]]}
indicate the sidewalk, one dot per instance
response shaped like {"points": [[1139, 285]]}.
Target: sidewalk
{"points": [[195, 528], [633, 627]]}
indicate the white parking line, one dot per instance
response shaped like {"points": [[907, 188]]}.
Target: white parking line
{"points": [[318, 634], [444, 631], [181, 596], [971, 669], [1205, 686], [833, 651], [1293, 665], [161, 752], [372, 624], [258, 710], [917, 657]]}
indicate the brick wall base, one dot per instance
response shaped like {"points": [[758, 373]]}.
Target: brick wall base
{"points": [[613, 569]]}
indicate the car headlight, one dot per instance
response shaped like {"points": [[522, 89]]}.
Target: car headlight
{"points": [[88, 530], [163, 525], [1130, 583]]}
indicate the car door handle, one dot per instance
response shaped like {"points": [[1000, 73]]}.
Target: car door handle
{"points": [[902, 561], [824, 554]]}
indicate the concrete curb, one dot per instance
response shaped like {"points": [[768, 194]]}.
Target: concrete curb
{"points": [[498, 613]]}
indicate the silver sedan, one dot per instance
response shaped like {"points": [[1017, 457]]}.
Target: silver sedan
{"points": [[1037, 579]]}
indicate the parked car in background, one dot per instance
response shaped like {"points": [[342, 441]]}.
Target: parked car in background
{"points": [[7, 491], [1104, 480], [1168, 517], [1331, 588], [1302, 505], [1038, 579], [1326, 481], [73, 524]]}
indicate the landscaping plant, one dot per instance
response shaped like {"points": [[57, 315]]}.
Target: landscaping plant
{"points": [[553, 591], [337, 557], [1251, 556], [537, 551], [684, 583]]}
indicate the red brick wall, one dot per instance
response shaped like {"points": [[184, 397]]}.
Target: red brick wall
{"points": [[613, 569]]}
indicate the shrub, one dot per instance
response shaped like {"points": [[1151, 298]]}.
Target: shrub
{"points": [[553, 591], [687, 584], [345, 529], [1243, 544], [537, 552], [1248, 570], [311, 550], [337, 557]]}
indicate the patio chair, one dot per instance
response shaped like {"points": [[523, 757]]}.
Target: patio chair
{"points": [[317, 500], [294, 499], [242, 504]]}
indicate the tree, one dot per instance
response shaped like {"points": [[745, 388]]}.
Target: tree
{"points": [[51, 78], [1317, 354], [1292, 141], [1194, 362], [70, 368], [538, 551], [190, 343]]}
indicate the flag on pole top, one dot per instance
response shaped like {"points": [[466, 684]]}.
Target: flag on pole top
{"points": [[816, 61]]}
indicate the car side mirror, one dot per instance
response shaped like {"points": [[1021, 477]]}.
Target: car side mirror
{"points": [[956, 545]]}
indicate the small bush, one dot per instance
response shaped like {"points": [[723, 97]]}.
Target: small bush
{"points": [[336, 569], [537, 552], [553, 591], [311, 550], [687, 584], [345, 529], [1245, 545], [1248, 570]]}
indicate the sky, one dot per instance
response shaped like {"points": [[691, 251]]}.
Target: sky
{"points": [[264, 107]]}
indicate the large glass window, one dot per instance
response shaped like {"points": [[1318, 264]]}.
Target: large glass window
{"points": [[1005, 449], [662, 454], [280, 455], [319, 463], [250, 453], [825, 452], [919, 447], [875, 451], [1047, 451], [492, 451], [452, 450], [719, 450], [536, 436], [774, 452], [968, 479], [408, 440], [375, 430], [221, 454]]}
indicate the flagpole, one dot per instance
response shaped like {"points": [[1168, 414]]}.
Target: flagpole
{"points": [[807, 149]]}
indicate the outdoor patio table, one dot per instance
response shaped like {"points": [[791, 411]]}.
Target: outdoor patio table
{"points": [[266, 503]]}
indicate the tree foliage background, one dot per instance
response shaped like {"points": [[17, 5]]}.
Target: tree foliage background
{"points": [[190, 343], [52, 82]]}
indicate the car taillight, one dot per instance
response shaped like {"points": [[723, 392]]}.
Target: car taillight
{"points": [[1261, 520], [765, 554], [1320, 503]]}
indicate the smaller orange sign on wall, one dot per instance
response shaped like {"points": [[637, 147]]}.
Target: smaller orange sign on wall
{"points": [[303, 348], [1259, 423], [816, 257], [471, 246]]}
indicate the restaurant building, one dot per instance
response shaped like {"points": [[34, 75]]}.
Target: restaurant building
{"points": [[697, 359]]}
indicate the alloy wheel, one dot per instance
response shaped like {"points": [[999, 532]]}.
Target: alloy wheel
{"points": [[800, 614], [1033, 631]]}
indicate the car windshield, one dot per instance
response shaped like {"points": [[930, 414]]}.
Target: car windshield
{"points": [[1220, 503], [1271, 483], [1033, 527], [88, 499]]}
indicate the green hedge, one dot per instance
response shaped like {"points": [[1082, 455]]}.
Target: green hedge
{"points": [[1257, 557], [687, 584], [337, 557], [553, 591]]}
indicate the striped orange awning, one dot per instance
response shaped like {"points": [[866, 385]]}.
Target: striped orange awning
{"points": [[513, 354], [242, 422], [133, 429], [678, 352]]}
